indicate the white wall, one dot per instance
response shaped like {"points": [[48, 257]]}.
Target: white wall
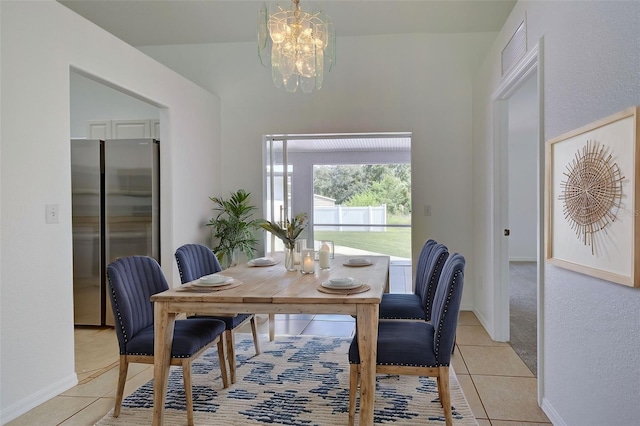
{"points": [[522, 147], [400, 83], [591, 327], [91, 100], [41, 40]]}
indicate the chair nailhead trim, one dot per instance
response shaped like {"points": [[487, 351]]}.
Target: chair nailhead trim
{"points": [[180, 269], [408, 365], [402, 318], [431, 288], [115, 305], [446, 306]]}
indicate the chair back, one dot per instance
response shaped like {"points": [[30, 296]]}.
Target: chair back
{"points": [[430, 263], [132, 281], [437, 259], [421, 267], [195, 261], [446, 307]]}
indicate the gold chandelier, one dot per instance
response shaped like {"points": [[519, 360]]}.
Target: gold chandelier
{"points": [[300, 42]]}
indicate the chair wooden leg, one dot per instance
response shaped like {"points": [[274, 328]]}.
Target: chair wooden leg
{"points": [[354, 378], [188, 391], [254, 331], [231, 354], [122, 379], [272, 327], [222, 360], [445, 396], [439, 382]]}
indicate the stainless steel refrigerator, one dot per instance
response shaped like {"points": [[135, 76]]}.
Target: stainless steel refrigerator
{"points": [[115, 187]]}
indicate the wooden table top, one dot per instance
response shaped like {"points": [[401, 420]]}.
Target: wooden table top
{"points": [[275, 285]]}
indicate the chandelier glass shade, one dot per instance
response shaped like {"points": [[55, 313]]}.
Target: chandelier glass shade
{"points": [[298, 43]]}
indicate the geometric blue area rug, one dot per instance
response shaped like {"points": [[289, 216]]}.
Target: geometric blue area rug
{"points": [[296, 380]]}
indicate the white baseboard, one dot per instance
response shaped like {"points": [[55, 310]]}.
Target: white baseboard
{"points": [[43, 395], [551, 413], [523, 259], [485, 324], [466, 307]]}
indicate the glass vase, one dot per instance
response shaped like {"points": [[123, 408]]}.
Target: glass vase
{"points": [[289, 258], [233, 260]]}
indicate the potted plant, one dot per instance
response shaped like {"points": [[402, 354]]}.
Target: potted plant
{"points": [[232, 227], [288, 231]]}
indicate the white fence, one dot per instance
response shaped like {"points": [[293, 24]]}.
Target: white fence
{"points": [[339, 215]]}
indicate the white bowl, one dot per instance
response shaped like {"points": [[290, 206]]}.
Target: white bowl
{"points": [[213, 279], [342, 281]]}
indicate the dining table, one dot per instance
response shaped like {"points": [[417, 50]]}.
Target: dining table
{"points": [[275, 290]]}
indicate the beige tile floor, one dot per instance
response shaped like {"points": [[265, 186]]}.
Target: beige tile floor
{"points": [[499, 387]]}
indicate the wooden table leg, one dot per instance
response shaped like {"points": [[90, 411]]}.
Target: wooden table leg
{"points": [[367, 320], [164, 323], [272, 327]]}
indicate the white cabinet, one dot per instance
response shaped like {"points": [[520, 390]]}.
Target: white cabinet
{"points": [[123, 129], [99, 130], [130, 129]]}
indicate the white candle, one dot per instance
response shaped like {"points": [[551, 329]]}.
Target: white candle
{"points": [[324, 257], [308, 263]]}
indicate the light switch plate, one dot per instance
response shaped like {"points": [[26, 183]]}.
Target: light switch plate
{"points": [[52, 212]]}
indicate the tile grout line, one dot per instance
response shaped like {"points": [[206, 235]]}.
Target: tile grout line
{"points": [[474, 385]]}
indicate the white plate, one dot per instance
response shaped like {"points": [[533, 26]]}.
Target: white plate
{"points": [[262, 261], [354, 284], [214, 278], [207, 282], [359, 261], [341, 281]]}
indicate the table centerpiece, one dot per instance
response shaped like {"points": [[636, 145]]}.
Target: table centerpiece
{"points": [[288, 231]]}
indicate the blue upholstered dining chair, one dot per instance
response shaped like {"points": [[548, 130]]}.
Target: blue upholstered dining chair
{"points": [[418, 348], [195, 261], [417, 305], [132, 281]]}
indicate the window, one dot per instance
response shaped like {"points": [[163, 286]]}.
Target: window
{"points": [[356, 189]]}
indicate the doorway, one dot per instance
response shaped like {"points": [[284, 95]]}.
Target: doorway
{"points": [[355, 189], [319, 174], [98, 111], [522, 144], [528, 71]]}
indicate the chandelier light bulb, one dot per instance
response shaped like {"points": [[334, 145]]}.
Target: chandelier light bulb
{"points": [[300, 42]]}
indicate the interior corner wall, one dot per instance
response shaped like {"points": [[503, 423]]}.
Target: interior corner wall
{"points": [[40, 42], [591, 57]]}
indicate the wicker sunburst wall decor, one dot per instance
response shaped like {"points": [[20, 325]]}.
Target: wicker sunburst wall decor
{"points": [[591, 192]]}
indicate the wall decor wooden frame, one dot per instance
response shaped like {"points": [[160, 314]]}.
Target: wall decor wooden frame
{"points": [[608, 246]]}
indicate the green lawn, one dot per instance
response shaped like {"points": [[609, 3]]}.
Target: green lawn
{"points": [[394, 242]]}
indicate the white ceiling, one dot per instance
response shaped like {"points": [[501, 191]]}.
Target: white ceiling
{"points": [[160, 22]]}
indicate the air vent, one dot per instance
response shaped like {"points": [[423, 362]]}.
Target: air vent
{"points": [[515, 48]]}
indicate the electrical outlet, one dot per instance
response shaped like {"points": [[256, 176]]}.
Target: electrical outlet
{"points": [[427, 210], [51, 213]]}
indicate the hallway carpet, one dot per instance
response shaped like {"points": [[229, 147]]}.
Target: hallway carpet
{"points": [[523, 312]]}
